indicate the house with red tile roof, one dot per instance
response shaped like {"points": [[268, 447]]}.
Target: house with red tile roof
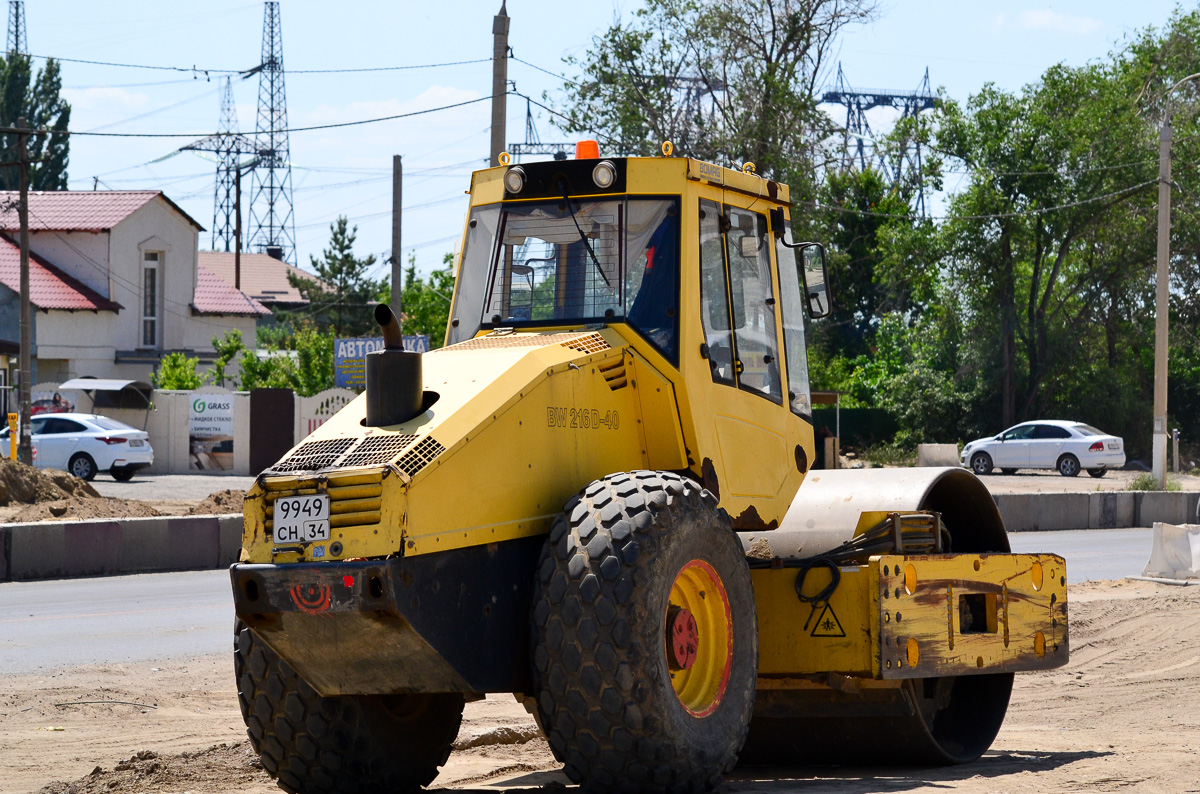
{"points": [[262, 277], [115, 284]]}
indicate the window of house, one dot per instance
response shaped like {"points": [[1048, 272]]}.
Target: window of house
{"points": [[150, 289]]}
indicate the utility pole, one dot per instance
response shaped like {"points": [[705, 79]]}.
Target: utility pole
{"points": [[1161, 304], [397, 248], [25, 445], [499, 82], [237, 228]]}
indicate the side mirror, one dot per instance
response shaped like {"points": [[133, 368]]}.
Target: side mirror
{"points": [[814, 277], [810, 266]]}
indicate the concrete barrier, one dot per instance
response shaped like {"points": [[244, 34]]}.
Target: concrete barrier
{"points": [[1097, 510], [937, 455], [51, 550]]}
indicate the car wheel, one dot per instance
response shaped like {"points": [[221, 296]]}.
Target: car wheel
{"points": [[121, 473], [981, 463], [1008, 471], [82, 466], [1068, 465], [1100, 472]]}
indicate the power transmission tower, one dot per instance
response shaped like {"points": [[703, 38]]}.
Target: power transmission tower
{"points": [[17, 43], [227, 147], [533, 143], [272, 224], [859, 150]]}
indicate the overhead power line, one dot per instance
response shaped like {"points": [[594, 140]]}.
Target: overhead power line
{"points": [[198, 71], [312, 128]]}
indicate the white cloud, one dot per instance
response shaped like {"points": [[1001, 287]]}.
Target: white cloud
{"points": [[1052, 21]]}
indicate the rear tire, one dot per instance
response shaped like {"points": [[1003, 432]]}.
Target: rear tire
{"points": [[619, 563], [121, 473], [981, 463], [322, 745], [82, 466], [1068, 466], [1100, 472]]}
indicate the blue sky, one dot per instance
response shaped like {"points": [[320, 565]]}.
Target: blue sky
{"points": [[964, 45]]}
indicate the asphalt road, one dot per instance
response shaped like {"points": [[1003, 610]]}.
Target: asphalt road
{"points": [[106, 620], [1093, 553]]}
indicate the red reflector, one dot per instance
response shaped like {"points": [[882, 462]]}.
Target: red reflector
{"points": [[1096, 447], [587, 150], [348, 581], [112, 439]]}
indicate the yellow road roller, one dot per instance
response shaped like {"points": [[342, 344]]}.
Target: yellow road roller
{"points": [[599, 497]]}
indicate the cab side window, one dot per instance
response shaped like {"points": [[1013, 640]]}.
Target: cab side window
{"points": [[753, 302], [714, 295], [791, 304]]}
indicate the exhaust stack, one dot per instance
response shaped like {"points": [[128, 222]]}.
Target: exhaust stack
{"points": [[395, 390]]}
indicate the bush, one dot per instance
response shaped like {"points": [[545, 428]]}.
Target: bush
{"points": [[889, 454], [1146, 482], [177, 371]]}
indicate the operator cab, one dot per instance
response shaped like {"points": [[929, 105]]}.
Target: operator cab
{"points": [[695, 266]]}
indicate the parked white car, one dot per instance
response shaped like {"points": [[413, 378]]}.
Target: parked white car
{"points": [[85, 444], [1047, 444]]}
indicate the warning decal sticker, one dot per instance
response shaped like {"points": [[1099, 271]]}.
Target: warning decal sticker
{"points": [[828, 625]]}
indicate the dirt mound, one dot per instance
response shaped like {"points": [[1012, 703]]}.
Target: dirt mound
{"points": [[78, 507], [27, 485], [222, 767], [220, 503]]}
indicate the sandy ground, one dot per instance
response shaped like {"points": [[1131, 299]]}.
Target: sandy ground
{"points": [[1121, 715]]}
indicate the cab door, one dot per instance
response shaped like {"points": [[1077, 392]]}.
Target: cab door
{"points": [[741, 346]]}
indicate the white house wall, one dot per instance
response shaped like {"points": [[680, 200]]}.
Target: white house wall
{"points": [[83, 255], [89, 341], [155, 226]]}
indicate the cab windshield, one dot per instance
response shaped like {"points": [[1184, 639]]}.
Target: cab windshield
{"points": [[559, 263]]}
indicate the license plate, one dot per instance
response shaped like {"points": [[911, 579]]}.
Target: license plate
{"points": [[136, 442], [1113, 445], [301, 519]]}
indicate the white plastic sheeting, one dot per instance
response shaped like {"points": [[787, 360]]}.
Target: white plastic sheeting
{"points": [[1175, 553]]}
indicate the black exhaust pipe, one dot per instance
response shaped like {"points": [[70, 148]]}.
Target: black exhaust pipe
{"points": [[395, 391]]}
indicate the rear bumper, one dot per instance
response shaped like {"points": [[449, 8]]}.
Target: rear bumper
{"points": [[1106, 460], [131, 465], [455, 621]]}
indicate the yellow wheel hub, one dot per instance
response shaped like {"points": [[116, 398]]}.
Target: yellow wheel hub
{"points": [[699, 638]]}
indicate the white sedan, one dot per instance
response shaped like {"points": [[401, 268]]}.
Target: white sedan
{"points": [[1047, 444], [85, 444]]}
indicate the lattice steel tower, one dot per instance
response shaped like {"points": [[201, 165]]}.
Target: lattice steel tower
{"points": [[859, 150], [227, 148], [17, 43], [272, 224]]}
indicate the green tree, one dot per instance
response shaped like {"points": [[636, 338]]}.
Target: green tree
{"points": [[303, 362], [37, 100], [426, 301], [754, 63], [177, 371], [344, 296], [227, 347]]}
